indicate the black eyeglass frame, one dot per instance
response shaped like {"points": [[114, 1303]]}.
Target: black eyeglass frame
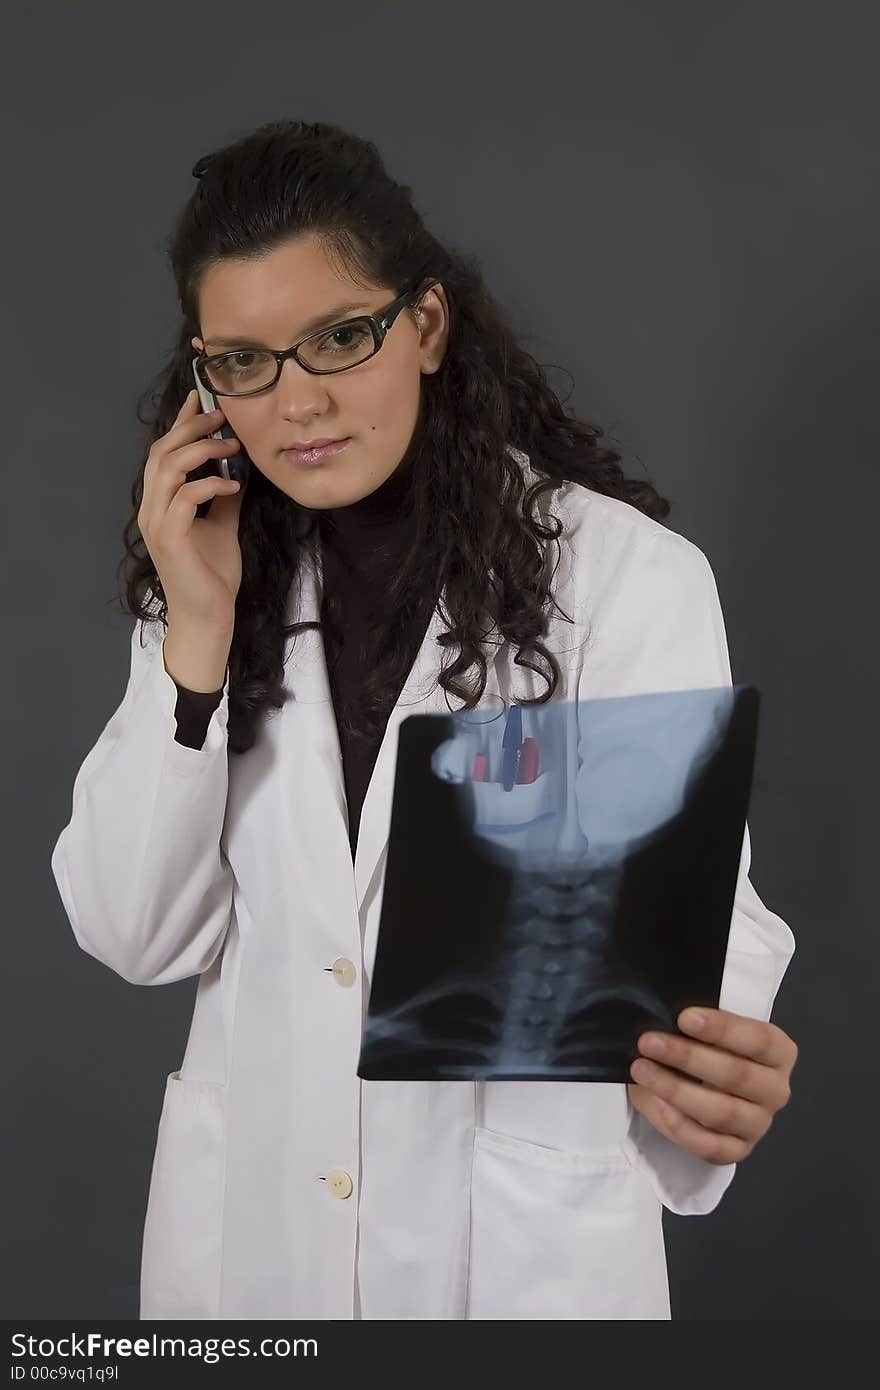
{"points": [[379, 324]]}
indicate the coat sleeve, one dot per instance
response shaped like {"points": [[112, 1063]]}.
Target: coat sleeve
{"points": [[139, 866], [659, 627]]}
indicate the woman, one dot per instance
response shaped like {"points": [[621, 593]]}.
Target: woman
{"points": [[470, 540]]}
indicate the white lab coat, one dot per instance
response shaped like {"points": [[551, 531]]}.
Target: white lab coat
{"points": [[487, 1200]]}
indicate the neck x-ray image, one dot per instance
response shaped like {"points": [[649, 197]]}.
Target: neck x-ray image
{"points": [[560, 878]]}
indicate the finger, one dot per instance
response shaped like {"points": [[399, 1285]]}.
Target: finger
{"points": [[726, 1071], [190, 409], [182, 509], [170, 472], [714, 1110], [687, 1133], [190, 406], [192, 425], [750, 1037]]}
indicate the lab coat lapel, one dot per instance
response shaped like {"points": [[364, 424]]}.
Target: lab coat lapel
{"points": [[309, 684]]}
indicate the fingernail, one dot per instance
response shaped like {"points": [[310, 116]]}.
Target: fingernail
{"points": [[696, 1021]]}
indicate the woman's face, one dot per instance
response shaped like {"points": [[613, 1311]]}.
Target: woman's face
{"points": [[271, 302]]}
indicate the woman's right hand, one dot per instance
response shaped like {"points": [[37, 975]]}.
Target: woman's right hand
{"points": [[199, 565]]}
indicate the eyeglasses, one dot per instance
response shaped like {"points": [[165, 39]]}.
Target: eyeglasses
{"points": [[243, 371]]}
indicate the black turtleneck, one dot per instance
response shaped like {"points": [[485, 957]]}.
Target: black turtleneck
{"points": [[360, 547]]}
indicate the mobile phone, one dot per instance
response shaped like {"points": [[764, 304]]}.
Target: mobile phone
{"points": [[237, 467]]}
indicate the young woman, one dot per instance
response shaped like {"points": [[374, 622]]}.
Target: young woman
{"points": [[468, 545]]}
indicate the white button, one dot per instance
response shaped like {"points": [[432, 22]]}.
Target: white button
{"points": [[344, 974], [339, 1183]]}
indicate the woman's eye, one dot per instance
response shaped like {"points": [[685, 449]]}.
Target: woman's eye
{"points": [[344, 338]]}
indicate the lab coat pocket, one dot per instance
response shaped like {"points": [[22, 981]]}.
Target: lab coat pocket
{"points": [[559, 1234], [495, 808], [180, 1260]]}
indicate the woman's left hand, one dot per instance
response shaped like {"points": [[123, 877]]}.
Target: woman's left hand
{"points": [[743, 1068]]}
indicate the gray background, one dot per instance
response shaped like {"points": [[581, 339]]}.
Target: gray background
{"points": [[676, 202]]}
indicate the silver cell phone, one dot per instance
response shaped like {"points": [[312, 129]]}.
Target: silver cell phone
{"points": [[237, 467]]}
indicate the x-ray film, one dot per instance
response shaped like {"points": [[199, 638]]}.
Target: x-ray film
{"points": [[559, 879]]}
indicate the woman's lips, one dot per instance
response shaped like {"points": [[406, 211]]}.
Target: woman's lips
{"points": [[316, 455]]}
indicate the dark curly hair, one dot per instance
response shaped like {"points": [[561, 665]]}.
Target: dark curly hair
{"points": [[473, 525]]}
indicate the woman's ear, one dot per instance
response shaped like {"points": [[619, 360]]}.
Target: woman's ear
{"points": [[432, 316]]}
